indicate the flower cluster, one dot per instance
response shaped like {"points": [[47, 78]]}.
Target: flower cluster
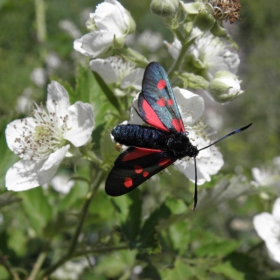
{"points": [[202, 55], [43, 140]]}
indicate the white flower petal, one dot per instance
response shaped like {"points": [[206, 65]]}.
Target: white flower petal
{"points": [[264, 224], [58, 99], [62, 183], [174, 48], [95, 43], [23, 175], [80, 123], [273, 248], [191, 105], [15, 130], [276, 210], [112, 16], [134, 79], [104, 70], [51, 165], [134, 116]]}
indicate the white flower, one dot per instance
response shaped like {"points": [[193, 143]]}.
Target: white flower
{"points": [[42, 141], [209, 161], [62, 183], [39, 77], [267, 227], [109, 26], [174, 48], [70, 28], [263, 177], [71, 270], [115, 70], [151, 40], [213, 54]]}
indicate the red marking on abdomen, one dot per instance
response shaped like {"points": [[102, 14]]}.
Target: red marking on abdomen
{"points": [[176, 124], [161, 102], [163, 161], [128, 182], [170, 102], [161, 84], [145, 174], [138, 169]]}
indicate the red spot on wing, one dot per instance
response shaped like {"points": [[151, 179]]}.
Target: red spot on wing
{"points": [[176, 125], [151, 117], [138, 153], [163, 161], [161, 102], [138, 169], [170, 102], [161, 84], [128, 182], [145, 174]]}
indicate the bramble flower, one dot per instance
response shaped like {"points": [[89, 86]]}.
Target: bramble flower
{"points": [[43, 140], [62, 183], [109, 26], [209, 161], [267, 227], [115, 70], [174, 48], [212, 54]]}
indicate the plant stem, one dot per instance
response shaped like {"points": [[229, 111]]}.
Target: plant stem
{"points": [[8, 268], [37, 266], [71, 250], [40, 9], [177, 63]]}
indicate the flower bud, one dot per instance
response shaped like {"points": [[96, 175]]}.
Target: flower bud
{"points": [[225, 87], [164, 8]]}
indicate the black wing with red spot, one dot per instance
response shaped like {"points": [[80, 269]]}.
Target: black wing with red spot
{"points": [[133, 167], [156, 103]]}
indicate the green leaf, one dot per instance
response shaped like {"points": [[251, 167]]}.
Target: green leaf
{"points": [[107, 91], [217, 248], [4, 274], [36, 207], [108, 148], [183, 271], [17, 241], [116, 264], [228, 270], [129, 208], [148, 239]]}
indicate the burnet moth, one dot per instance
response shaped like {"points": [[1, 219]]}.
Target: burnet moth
{"points": [[154, 147]]}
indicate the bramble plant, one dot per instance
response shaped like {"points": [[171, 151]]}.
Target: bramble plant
{"points": [[58, 222]]}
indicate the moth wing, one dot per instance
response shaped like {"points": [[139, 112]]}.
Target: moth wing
{"points": [[133, 167], [157, 104]]}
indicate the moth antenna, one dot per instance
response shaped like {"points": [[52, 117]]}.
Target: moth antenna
{"points": [[231, 133], [195, 186]]}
